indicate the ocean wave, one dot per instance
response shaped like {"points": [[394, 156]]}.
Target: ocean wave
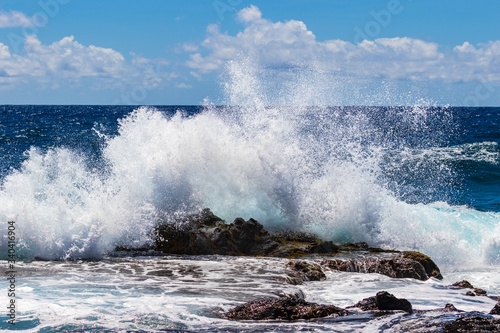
{"points": [[160, 167], [480, 152]]}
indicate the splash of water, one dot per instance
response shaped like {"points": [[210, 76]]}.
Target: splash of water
{"points": [[276, 155]]}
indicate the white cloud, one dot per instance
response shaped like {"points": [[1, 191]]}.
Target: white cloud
{"points": [[249, 14], [15, 19], [290, 43], [67, 61]]}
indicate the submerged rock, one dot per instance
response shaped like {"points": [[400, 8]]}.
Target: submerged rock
{"points": [[284, 308], [384, 301], [474, 324]]}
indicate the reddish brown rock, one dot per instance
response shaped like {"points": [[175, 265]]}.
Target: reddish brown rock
{"points": [[284, 308]]}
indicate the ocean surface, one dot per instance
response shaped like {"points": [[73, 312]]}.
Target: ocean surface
{"points": [[78, 181]]}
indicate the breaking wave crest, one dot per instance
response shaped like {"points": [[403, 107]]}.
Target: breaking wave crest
{"points": [[297, 167]]}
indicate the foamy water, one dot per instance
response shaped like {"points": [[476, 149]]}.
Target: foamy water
{"points": [[184, 294]]}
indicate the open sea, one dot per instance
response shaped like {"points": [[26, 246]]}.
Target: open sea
{"points": [[78, 181]]}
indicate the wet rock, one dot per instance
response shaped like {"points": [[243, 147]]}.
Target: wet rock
{"points": [[450, 308], [298, 244], [474, 324], [463, 284], [480, 292], [468, 285], [250, 238], [284, 308], [429, 265], [324, 247], [384, 301], [447, 309], [301, 270], [205, 233], [396, 267], [496, 309]]}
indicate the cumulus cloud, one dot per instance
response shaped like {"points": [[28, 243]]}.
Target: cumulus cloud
{"points": [[67, 60], [290, 44], [250, 14], [15, 19]]}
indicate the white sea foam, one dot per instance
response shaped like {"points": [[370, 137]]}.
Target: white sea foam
{"points": [[295, 166]]}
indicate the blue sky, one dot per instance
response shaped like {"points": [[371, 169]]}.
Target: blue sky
{"points": [[175, 51]]}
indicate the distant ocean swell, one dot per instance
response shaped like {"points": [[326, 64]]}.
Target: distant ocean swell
{"points": [[287, 167]]}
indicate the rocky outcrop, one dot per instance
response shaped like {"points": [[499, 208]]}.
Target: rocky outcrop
{"points": [[431, 269], [473, 324], [300, 271], [467, 285], [398, 266], [205, 233], [283, 308], [384, 301]]}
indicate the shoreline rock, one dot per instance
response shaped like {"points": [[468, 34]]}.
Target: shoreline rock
{"points": [[384, 301], [207, 234], [283, 308], [464, 284], [473, 324]]}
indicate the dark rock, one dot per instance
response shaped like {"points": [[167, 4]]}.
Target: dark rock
{"points": [[473, 324], [467, 284], [299, 244], [496, 309], [324, 247], [295, 236], [480, 292], [384, 301], [305, 271], [206, 218], [251, 238], [284, 308], [450, 308], [396, 267], [430, 267], [463, 284], [205, 233]]}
